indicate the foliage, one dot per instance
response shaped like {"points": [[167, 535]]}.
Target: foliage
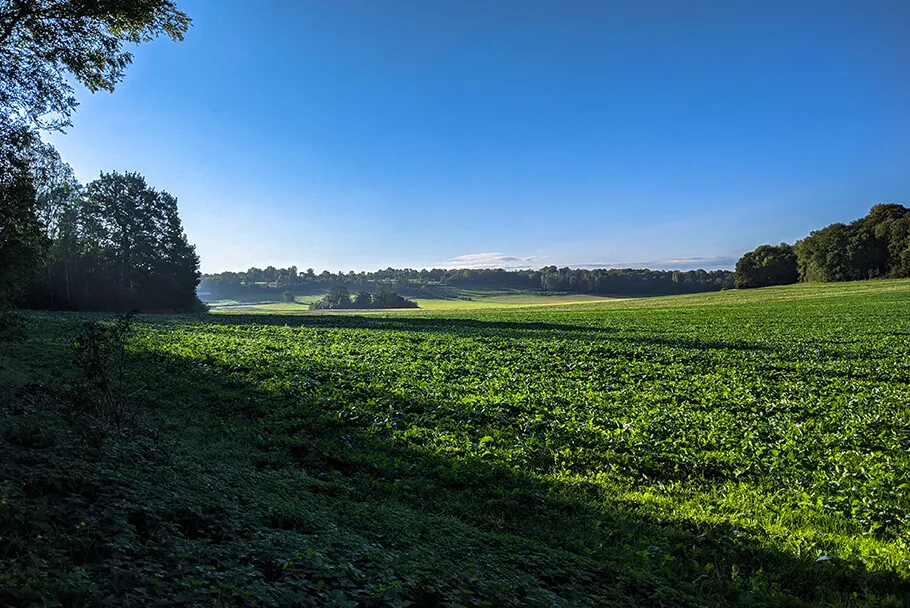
{"points": [[287, 296], [340, 298], [45, 47], [41, 41], [728, 449], [767, 265], [362, 300], [22, 242], [100, 354], [875, 246], [12, 327], [116, 245]]}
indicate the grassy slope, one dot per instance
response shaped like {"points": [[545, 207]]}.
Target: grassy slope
{"points": [[714, 449]]}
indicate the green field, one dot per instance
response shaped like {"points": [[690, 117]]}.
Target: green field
{"points": [[743, 448], [470, 300]]}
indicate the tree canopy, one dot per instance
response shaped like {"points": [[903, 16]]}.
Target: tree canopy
{"points": [[872, 247], [45, 47], [41, 41], [340, 298], [116, 245], [767, 265]]}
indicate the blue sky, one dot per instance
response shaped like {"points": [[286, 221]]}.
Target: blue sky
{"points": [[362, 134]]}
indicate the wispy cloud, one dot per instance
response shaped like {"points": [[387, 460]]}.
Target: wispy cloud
{"points": [[492, 260], [513, 262]]}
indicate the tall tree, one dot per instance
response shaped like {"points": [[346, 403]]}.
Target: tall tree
{"points": [[45, 46], [140, 243], [22, 240]]}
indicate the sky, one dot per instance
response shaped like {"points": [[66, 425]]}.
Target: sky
{"points": [[357, 135]]}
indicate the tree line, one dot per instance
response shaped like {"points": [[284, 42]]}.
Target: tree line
{"points": [[116, 243], [876, 246], [270, 282]]}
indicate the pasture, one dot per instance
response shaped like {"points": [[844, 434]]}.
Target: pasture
{"points": [[722, 449]]}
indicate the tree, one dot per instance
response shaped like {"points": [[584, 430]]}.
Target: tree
{"points": [[873, 246], [43, 40], [338, 297], [287, 296], [767, 265], [135, 243], [362, 300], [385, 297], [22, 239], [44, 46]]}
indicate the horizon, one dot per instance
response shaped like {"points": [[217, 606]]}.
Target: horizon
{"points": [[509, 135], [474, 262]]}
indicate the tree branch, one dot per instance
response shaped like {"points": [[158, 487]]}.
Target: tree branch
{"points": [[21, 15]]}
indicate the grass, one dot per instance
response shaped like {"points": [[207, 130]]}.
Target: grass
{"points": [[724, 449]]}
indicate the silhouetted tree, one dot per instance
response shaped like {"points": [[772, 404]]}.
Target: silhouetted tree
{"points": [[22, 239]]}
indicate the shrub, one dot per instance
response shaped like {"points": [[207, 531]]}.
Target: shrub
{"points": [[100, 354]]}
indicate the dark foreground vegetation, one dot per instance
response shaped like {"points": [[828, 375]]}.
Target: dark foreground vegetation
{"points": [[736, 449]]}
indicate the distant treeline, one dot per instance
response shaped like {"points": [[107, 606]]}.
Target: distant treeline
{"points": [[271, 282], [873, 247]]}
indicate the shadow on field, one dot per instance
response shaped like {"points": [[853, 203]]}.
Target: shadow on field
{"points": [[574, 538]]}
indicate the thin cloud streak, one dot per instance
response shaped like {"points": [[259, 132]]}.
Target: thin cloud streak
{"points": [[492, 260], [512, 262]]}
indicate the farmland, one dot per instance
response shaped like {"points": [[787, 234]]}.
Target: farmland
{"points": [[459, 299], [722, 449]]}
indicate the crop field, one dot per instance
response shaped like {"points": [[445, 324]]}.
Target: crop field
{"points": [[482, 301], [745, 448], [472, 300]]}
